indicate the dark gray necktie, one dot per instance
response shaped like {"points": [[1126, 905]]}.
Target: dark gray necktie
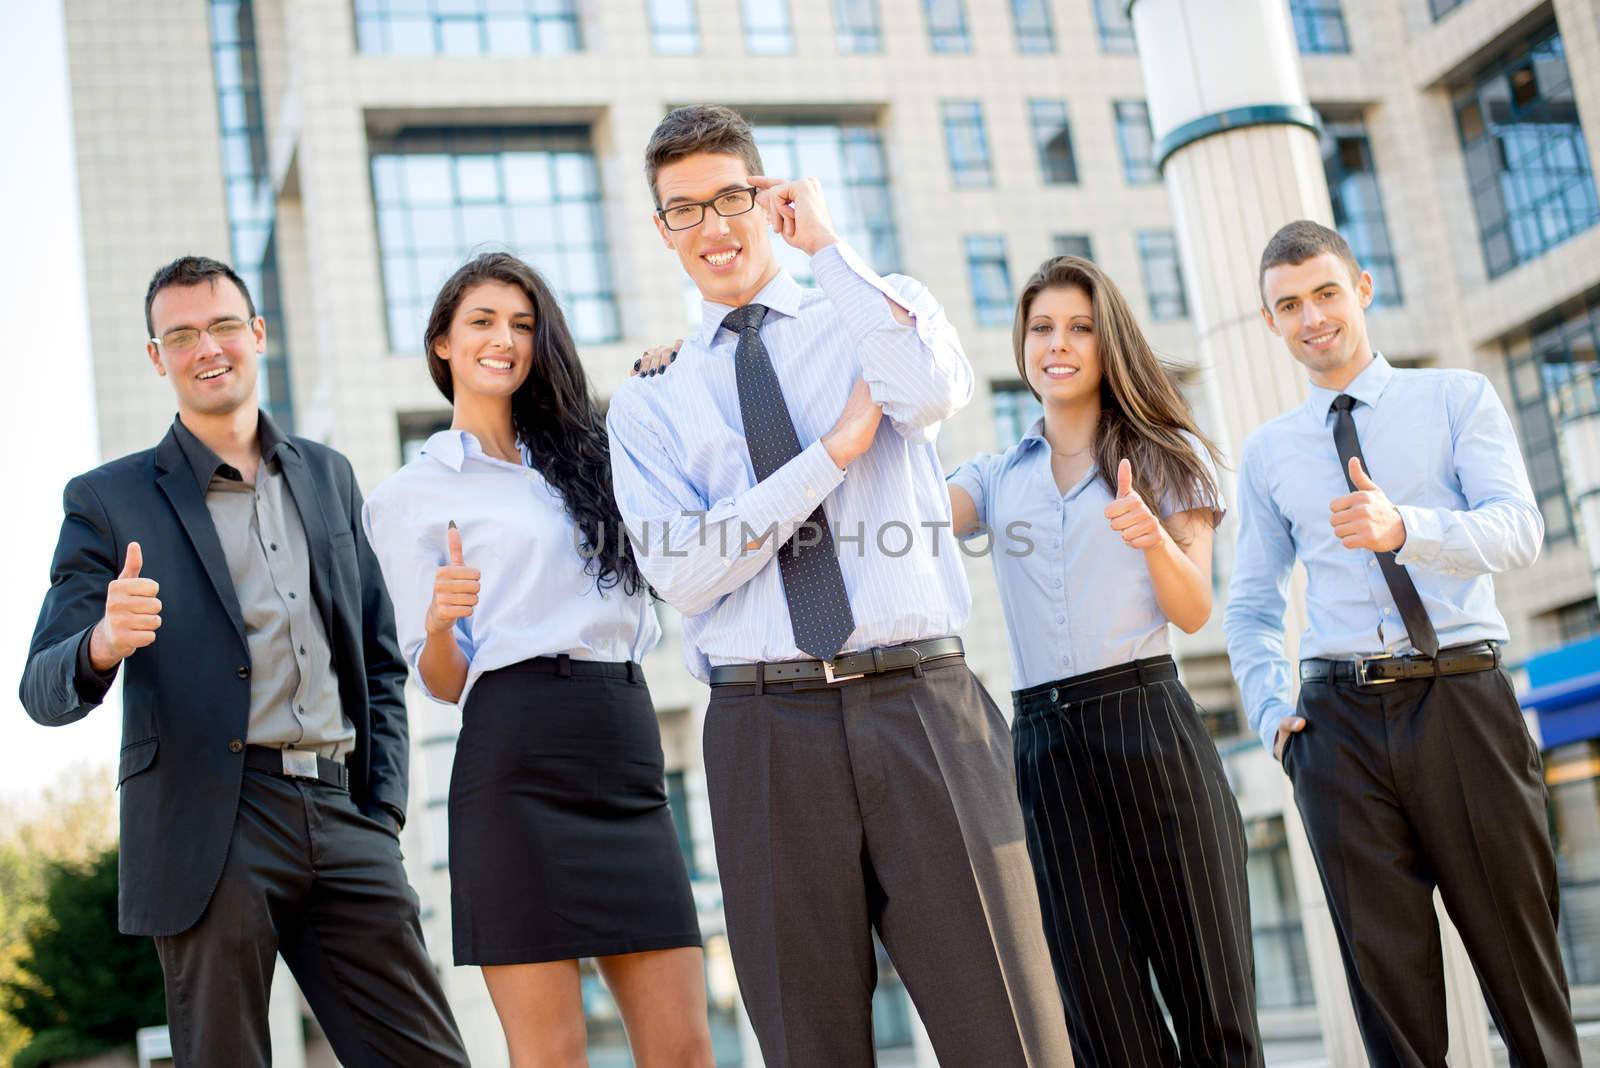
{"points": [[1418, 626], [819, 607]]}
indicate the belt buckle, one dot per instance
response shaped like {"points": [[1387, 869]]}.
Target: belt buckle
{"points": [[299, 763], [827, 673], [1361, 670]]}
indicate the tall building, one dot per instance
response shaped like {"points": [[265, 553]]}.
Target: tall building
{"points": [[347, 155]]}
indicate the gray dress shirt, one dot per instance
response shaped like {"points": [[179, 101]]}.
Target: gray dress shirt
{"points": [[294, 686]]}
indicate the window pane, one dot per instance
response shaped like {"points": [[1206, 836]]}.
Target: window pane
{"points": [[947, 25], [1135, 141], [1073, 245], [990, 279], [967, 144], [1053, 136], [766, 27], [857, 24], [468, 27], [525, 190], [1035, 32], [1319, 26], [1526, 155], [1163, 277], [1357, 206], [673, 28], [1116, 28]]}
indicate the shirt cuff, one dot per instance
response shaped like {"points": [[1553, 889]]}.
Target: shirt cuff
{"points": [[1424, 537], [974, 489], [91, 685], [854, 289], [792, 492]]}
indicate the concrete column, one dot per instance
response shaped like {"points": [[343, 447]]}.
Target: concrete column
{"points": [[1237, 146]]}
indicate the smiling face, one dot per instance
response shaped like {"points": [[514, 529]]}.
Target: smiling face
{"points": [[210, 377], [1319, 307], [489, 346], [729, 258], [1059, 349]]}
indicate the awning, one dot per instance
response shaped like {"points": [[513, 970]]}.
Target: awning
{"points": [[1568, 710]]}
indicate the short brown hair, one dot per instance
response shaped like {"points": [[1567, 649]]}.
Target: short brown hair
{"points": [[699, 128], [1299, 241]]}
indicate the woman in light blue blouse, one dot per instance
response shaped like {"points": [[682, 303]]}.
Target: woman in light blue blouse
{"points": [[517, 597], [1102, 519]]}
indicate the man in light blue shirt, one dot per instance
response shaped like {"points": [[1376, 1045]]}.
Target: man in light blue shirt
{"points": [[783, 492], [1402, 492]]}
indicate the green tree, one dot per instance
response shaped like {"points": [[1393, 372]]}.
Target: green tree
{"points": [[81, 985]]}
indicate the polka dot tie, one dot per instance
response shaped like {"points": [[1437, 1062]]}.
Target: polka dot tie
{"points": [[819, 607]]}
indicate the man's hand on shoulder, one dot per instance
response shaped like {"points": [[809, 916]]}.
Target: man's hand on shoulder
{"points": [[656, 360], [798, 212]]}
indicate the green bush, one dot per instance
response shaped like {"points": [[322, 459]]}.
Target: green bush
{"points": [[81, 986]]}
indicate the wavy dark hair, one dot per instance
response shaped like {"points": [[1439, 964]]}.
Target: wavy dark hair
{"points": [[1143, 416], [553, 414]]}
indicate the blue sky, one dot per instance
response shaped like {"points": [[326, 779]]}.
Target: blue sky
{"points": [[47, 428]]}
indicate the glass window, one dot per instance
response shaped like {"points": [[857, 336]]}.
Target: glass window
{"points": [[969, 147], [1072, 245], [467, 27], [1163, 277], [1116, 28], [1135, 141], [443, 195], [766, 27], [674, 29], [991, 280], [248, 191], [1283, 968], [857, 26], [1357, 205], [1052, 134], [1441, 8], [1526, 156], [1574, 808], [847, 158], [1554, 370], [1035, 32], [1319, 26], [947, 25], [1014, 408]]}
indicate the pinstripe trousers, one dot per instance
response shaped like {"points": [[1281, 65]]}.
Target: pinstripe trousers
{"points": [[1139, 854]]}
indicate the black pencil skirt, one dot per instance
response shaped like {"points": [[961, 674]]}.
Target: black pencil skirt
{"points": [[561, 842]]}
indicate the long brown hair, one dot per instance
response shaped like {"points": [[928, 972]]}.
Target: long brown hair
{"points": [[1143, 416], [553, 414]]}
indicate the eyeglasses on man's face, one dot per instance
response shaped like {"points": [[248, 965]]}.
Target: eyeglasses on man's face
{"points": [[688, 216], [186, 338]]}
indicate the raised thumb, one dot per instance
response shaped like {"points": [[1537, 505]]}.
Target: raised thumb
{"points": [[1358, 475], [1124, 478], [133, 562], [453, 538]]}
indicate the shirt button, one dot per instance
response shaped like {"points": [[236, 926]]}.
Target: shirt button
{"points": [[242, 671], [291, 595], [1054, 693], [236, 746], [302, 650], [1387, 612], [1058, 580], [1061, 619], [1372, 563], [274, 546], [811, 493]]}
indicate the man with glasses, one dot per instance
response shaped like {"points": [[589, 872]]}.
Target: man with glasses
{"points": [[859, 777], [264, 756]]}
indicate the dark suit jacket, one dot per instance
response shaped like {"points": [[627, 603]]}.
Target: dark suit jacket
{"points": [[186, 698]]}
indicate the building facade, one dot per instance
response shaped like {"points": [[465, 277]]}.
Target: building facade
{"points": [[348, 155]]}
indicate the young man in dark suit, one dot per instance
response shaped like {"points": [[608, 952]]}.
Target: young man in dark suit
{"points": [[264, 755]]}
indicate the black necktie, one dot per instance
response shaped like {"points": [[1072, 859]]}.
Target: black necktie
{"points": [[819, 607], [1418, 626]]}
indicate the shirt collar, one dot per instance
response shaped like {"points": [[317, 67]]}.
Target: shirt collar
{"points": [[1035, 434], [782, 295], [1367, 387], [453, 446], [206, 464]]}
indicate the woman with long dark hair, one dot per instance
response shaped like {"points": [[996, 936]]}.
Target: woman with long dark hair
{"points": [[517, 597], [1103, 517]]}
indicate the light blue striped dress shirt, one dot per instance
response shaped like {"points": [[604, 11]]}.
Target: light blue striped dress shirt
{"points": [[688, 494], [1076, 597], [1439, 444], [535, 597]]}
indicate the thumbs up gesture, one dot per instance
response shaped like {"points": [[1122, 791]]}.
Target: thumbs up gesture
{"points": [[132, 616], [1366, 519], [455, 588], [1130, 516]]}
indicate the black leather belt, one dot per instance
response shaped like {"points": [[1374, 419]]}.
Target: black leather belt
{"points": [[1378, 670], [297, 764], [564, 666], [840, 668]]}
